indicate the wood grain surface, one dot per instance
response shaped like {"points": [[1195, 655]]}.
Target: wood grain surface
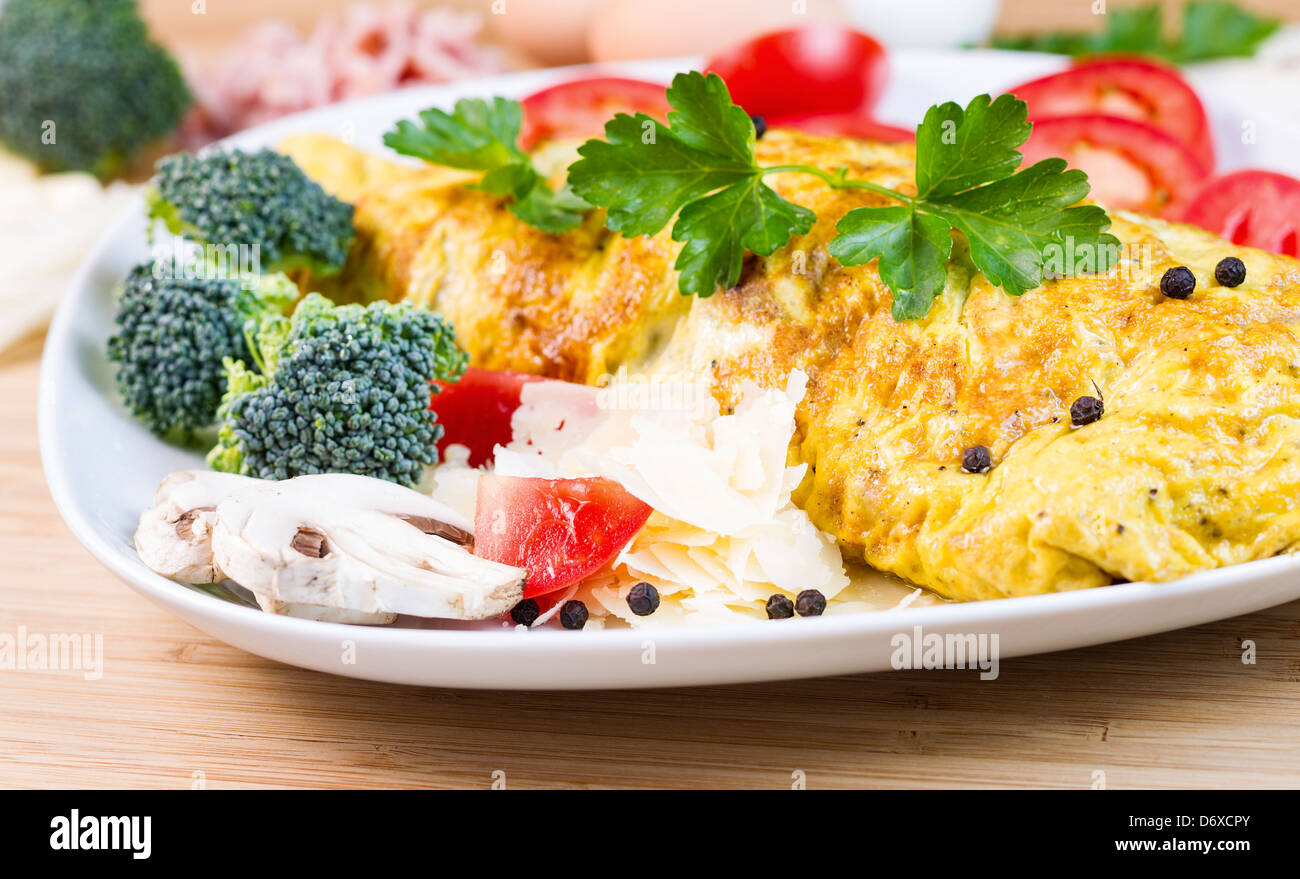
{"points": [[177, 709]]}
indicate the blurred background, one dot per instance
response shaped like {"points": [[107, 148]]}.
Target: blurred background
{"points": [[557, 27]]}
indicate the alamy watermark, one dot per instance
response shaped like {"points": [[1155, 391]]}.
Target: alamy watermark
{"points": [[919, 649], [77, 832], [58, 651], [656, 392], [182, 259]]}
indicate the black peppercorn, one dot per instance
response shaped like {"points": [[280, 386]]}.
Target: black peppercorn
{"points": [[809, 603], [643, 599], [976, 459], [1230, 272], [760, 127], [779, 607], [526, 612], [573, 615], [1086, 410], [1178, 283]]}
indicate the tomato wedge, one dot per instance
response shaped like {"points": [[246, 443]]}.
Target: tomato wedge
{"points": [[845, 125], [1130, 88], [559, 530], [800, 71], [1130, 165], [476, 410], [1255, 208], [580, 109]]}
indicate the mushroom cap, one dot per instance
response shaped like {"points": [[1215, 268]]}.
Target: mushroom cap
{"points": [[360, 544], [174, 536]]}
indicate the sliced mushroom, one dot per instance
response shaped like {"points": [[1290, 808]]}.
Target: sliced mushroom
{"points": [[323, 614], [458, 536], [174, 536], [360, 544]]}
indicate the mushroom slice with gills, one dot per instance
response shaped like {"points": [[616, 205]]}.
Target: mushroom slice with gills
{"points": [[174, 539], [360, 544], [174, 536]]}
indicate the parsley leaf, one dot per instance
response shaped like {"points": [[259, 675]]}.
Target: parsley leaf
{"points": [[551, 211], [913, 249], [484, 136], [700, 168], [967, 180], [1217, 29], [718, 229], [957, 149], [1211, 29], [478, 136]]}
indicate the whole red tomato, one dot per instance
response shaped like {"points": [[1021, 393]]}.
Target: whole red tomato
{"points": [[804, 71]]}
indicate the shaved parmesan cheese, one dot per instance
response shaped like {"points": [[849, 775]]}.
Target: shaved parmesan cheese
{"points": [[725, 535], [455, 483]]}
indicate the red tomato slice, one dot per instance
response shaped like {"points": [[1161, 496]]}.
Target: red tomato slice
{"points": [[559, 530], [845, 125], [580, 108], [1255, 208], [1127, 87], [796, 72], [1130, 165], [476, 410]]}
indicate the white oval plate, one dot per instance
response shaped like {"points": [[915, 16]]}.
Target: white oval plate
{"points": [[103, 467]]}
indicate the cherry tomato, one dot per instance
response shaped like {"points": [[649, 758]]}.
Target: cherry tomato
{"points": [[1130, 165], [845, 125], [1255, 208], [476, 410], [559, 530], [1127, 87], [580, 109], [802, 71]]}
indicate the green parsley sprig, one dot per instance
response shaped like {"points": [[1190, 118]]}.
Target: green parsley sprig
{"points": [[698, 171], [966, 179], [1211, 29], [483, 136], [700, 167]]}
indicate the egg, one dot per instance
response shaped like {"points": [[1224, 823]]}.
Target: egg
{"points": [[623, 29], [1193, 464], [547, 31]]}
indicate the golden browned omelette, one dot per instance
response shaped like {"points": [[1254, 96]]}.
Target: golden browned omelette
{"points": [[1195, 463]]}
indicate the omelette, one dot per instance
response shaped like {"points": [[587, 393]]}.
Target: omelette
{"points": [[1194, 464]]}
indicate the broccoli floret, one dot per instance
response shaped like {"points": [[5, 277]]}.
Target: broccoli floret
{"points": [[82, 87], [176, 332], [260, 200], [342, 389]]}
